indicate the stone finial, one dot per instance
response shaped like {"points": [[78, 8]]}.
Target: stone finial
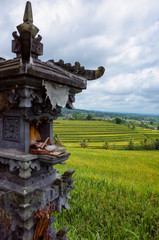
{"points": [[27, 45], [27, 25], [28, 15]]}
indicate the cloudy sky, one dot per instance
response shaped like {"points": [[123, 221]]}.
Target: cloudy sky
{"points": [[121, 35]]}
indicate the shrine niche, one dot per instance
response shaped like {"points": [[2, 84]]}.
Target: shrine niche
{"points": [[32, 94]]}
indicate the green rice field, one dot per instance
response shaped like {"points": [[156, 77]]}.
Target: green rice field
{"points": [[116, 193], [72, 132]]}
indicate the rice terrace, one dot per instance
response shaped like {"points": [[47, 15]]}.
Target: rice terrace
{"points": [[116, 192]]}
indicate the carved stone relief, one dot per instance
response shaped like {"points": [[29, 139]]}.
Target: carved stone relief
{"points": [[25, 167], [11, 129]]}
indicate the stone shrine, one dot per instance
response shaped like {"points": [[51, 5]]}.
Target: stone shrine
{"points": [[32, 94]]}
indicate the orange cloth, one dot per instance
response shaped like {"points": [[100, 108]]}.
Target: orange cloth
{"points": [[34, 134]]}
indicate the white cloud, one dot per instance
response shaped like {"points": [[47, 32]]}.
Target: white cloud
{"points": [[133, 92], [121, 35]]}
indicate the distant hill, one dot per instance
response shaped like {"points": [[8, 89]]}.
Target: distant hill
{"points": [[100, 114]]}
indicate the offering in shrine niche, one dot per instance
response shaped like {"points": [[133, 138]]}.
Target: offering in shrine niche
{"points": [[37, 146]]}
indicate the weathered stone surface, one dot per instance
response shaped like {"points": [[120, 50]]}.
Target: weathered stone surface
{"points": [[22, 197], [32, 94], [60, 235], [28, 15], [79, 70]]}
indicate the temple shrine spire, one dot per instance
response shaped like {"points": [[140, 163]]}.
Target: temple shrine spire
{"points": [[27, 45], [28, 15]]}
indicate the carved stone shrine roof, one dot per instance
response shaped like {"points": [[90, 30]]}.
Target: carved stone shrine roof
{"points": [[27, 70]]}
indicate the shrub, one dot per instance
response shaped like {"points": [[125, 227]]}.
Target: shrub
{"points": [[113, 146], [118, 120], [84, 143], [156, 144], [148, 145], [137, 146], [57, 140], [131, 145], [106, 144], [89, 117]]}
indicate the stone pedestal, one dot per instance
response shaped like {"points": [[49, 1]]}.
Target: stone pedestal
{"points": [[28, 183]]}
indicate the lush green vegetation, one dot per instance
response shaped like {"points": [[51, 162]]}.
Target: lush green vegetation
{"points": [[116, 193], [97, 132], [132, 120]]}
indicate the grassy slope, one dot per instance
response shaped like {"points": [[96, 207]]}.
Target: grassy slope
{"points": [[116, 194], [99, 131]]}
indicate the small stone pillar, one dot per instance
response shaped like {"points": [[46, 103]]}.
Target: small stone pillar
{"points": [[32, 94]]}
